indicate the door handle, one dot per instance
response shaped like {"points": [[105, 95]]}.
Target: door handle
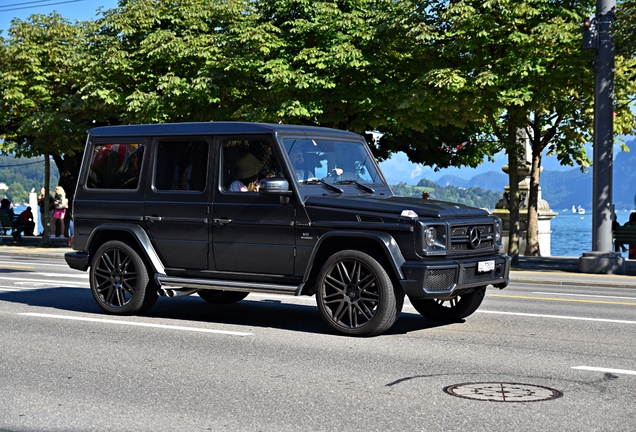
{"points": [[153, 218], [223, 221]]}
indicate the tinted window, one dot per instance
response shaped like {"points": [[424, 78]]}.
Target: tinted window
{"points": [[115, 166], [245, 162], [181, 166]]}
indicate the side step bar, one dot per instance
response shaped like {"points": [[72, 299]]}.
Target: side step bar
{"points": [[226, 285]]}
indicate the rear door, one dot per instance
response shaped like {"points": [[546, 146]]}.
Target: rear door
{"points": [[176, 210]]}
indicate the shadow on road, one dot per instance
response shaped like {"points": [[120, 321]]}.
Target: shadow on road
{"points": [[252, 313]]}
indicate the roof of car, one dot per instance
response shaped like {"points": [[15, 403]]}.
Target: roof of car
{"points": [[209, 128]]}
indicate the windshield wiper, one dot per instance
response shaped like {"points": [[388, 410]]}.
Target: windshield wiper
{"points": [[357, 183], [324, 183]]}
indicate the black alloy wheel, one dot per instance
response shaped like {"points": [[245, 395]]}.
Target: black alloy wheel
{"points": [[453, 309], [119, 280], [355, 294]]}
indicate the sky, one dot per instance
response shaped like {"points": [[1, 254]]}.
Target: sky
{"points": [[70, 9], [397, 169]]}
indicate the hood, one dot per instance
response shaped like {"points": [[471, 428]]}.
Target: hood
{"points": [[395, 205]]}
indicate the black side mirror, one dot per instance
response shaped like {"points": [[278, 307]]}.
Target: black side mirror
{"points": [[275, 186]]}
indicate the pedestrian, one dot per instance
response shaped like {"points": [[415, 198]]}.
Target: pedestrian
{"points": [[5, 207], [28, 224], [615, 224], [632, 247], [60, 204]]}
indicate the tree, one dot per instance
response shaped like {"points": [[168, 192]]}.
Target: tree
{"points": [[41, 111], [518, 68]]}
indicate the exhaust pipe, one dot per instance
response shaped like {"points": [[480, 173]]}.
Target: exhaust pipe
{"points": [[175, 293]]}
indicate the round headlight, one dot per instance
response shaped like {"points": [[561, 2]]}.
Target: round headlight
{"points": [[430, 236]]}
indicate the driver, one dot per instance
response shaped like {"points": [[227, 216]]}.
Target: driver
{"points": [[297, 157]]}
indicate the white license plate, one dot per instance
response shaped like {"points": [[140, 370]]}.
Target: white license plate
{"points": [[485, 266]]}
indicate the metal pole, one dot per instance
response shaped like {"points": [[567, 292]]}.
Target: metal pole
{"points": [[603, 129]]}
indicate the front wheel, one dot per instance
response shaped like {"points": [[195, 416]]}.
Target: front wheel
{"points": [[119, 280], [453, 309], [355, 294], [222, 297]]}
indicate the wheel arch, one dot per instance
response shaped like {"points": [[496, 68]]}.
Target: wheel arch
{"points": [[380, 245], [126, 232]]}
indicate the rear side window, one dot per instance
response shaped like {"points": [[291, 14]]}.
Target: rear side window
{"points": [[115, 166], [181, 166]]}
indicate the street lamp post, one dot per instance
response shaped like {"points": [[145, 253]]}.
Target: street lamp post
{"points": [[602, 259]]}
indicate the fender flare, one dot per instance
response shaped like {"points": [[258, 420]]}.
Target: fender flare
{"points": [[140, 236], [385, 240]]}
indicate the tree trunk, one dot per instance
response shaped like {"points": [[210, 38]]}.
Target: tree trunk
{"points": [[46, 214], [513, 201], [532, 238]]}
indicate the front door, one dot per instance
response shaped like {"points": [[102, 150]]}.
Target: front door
{"points": [[252, 233], [177, 203]]}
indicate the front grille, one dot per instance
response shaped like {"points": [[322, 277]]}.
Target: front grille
{"points": [[461, 237], [440, 279]]}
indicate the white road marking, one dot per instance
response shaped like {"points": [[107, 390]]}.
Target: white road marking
{"points": [[138, 324], [584, 295], [3, 278], [40, 263], [559, 317], [598, 369]]}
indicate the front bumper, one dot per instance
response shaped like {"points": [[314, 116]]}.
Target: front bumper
{"points": [[442, 278]]}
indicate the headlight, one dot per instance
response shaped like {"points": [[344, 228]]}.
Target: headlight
{"points": [[498, 229], [430, 237]]}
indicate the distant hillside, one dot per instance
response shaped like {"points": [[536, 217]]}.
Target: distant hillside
{"points": [[563, 189], [21, 175]]}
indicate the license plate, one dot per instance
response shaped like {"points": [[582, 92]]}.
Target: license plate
{"points": [[485, 266]]}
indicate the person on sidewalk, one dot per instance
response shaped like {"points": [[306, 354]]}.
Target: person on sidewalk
{"points": [[5, 207], [632, 247], [28, 224], [60, 204]]}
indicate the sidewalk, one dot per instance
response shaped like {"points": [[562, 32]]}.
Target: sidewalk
{"points": [[535, 270]]}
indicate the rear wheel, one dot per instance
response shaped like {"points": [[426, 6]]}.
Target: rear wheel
{"points": [[119, 280], [355, 294], [221, 297], [453, 309]]}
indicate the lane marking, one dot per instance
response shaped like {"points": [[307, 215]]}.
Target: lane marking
{"points": [[562, 299], [598, 369], [137, 324], [31, 280], [584, 295], [43, 263], [16, 266], [558, 317]]}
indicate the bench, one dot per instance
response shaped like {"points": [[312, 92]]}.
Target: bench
{"points": [[6, 224], [624, 235]]}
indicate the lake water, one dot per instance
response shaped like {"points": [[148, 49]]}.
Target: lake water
{"points": [[572, 233]]}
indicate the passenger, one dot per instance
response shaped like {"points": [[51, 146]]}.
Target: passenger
{"points": [[247, 176], [60, 204]]}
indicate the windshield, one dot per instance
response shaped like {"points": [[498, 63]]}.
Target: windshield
{"points": [[332, 161]]}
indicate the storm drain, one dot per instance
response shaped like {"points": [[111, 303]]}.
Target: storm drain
{"points": [[503, 392]]}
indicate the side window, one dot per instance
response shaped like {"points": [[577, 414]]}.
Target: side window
{"points": [[181, 166], [245, 162], [115, 166]]}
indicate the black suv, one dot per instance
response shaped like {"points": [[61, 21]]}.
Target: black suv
{"points": [[223, 209]]}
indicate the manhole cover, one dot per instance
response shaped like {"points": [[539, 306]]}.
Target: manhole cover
{"points": [[503, 392]]}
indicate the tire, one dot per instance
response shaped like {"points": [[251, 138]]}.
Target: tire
{"points": [[222, 297], [454, 309], [355, 295], [119, 280]]}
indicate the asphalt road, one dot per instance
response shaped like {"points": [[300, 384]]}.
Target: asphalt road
{"points": [[268, 363]]}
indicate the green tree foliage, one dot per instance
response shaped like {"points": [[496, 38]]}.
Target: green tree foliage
{"points": [[518, 68]]}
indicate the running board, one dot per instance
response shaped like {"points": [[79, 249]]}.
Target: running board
{"points": [[225, 285]]}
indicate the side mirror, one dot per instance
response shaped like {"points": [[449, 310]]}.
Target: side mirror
{"points": [[275, 186]]}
